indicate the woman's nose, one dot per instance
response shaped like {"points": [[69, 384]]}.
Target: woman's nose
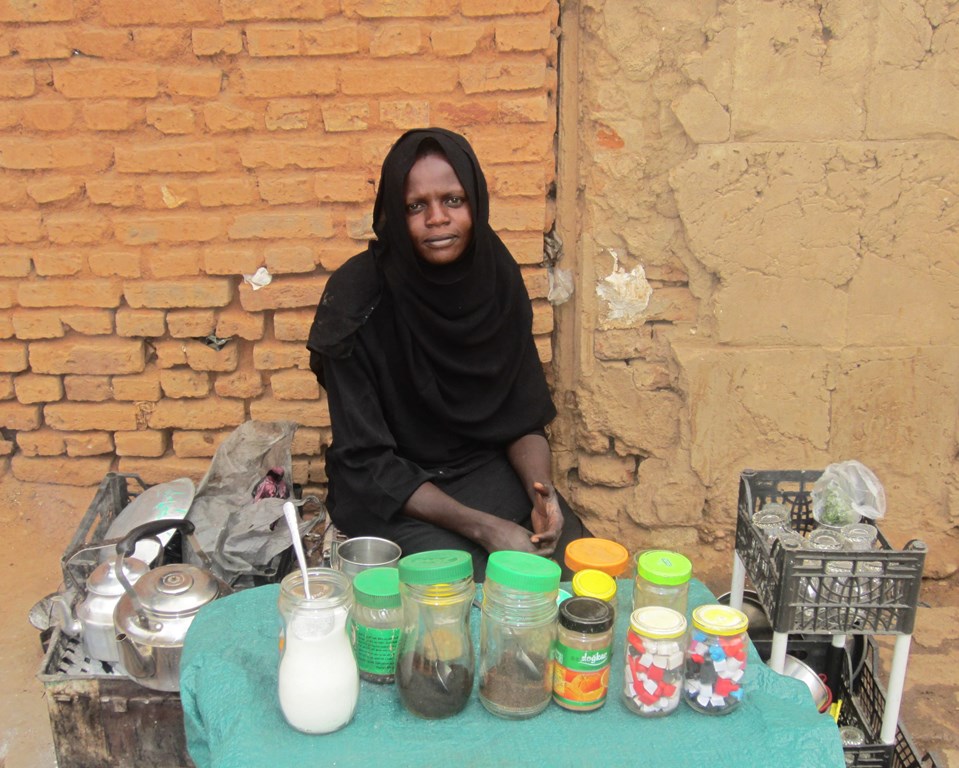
{"points": [[436, 213]]}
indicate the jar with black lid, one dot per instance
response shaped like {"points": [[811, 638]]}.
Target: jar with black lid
{"points": [[582, 654]]}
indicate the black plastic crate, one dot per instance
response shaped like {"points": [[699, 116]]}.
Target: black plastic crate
{"points": [[796, 589]]}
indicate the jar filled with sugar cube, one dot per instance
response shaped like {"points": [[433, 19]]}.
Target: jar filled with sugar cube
{"points": [[716, 659], [654, 661]]}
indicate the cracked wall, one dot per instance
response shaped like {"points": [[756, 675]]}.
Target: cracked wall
{"points": [[786, 177]]}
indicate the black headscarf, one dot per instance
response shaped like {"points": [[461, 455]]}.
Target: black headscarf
{"points": [[465, 328]]}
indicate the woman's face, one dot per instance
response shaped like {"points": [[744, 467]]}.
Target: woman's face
{"points": [[438, 215]]}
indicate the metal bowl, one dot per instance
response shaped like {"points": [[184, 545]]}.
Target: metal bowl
{"points": [[759, 625], [822, 696]]}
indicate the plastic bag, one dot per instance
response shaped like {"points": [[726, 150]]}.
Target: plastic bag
{"points": [[846, 492]]}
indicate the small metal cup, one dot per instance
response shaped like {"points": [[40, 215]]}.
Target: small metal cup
{"points": [[362, 552]]}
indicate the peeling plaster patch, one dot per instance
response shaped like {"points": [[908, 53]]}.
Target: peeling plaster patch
{"points": [[560, 285], [626, 293]]}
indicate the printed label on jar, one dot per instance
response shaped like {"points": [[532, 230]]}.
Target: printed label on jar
{"points": [[580, 678], [376, 649]]}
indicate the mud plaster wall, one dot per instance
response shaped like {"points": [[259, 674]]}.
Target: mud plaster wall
{"points": [[775, 186]]}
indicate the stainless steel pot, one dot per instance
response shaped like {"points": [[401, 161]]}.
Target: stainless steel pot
{"points": [[152, 617], [95, 611]]}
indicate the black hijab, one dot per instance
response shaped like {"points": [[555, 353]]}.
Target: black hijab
{"points": [[465, 328]]}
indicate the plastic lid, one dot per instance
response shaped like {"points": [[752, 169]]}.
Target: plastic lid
{"points": [[602, 554], [658, 622], [377, 588], [720, 620], [659, 566], [523, 571], [438, 566], [588, 615], [593, 583]]}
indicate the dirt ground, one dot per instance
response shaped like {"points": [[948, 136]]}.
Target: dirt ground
{"points": [[38, 521]]}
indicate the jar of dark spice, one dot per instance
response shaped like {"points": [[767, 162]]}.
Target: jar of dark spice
{"points": [[517, 629], [582, 654], [376, 622], [434, 671]]}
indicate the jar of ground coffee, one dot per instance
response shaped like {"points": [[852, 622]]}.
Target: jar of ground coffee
{"points": [[582, 654]]}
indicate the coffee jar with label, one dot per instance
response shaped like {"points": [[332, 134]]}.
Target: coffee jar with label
{"points": [[376, 623], [582, 654]]}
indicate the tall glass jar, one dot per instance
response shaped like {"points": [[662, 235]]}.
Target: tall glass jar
{"points": [[376, 623], [655, 648], [582, 654], [435, 667], [318, 682], [517, 629], [716, 659], [662, 578]]}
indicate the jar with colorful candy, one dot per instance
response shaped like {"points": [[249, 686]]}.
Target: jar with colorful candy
{"points": [[654, 661], [716, 659]]}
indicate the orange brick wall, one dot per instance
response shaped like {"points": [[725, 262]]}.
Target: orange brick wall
{"points": [[154, 153]]}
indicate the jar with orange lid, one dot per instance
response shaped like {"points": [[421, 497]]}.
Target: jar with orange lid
{"points": [[599, 554], [716, 659], [592, 583]]}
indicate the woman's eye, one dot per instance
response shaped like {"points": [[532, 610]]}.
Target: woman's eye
{"points": [[455, 201], [413, 207]]}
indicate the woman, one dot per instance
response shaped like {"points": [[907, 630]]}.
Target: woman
{"points": [[437, 397]]}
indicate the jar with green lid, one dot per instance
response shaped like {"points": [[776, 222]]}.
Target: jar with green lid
{"points": [[582, 654], [655, 656], [435, 666], [662, 578], [517, 629], [716, 659], [376, 623]]}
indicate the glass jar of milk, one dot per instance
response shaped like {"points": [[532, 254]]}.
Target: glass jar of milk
{"points": [[318, 678]]}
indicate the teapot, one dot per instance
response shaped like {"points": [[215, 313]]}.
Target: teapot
{"points": [[94, 614], [152, 617]]}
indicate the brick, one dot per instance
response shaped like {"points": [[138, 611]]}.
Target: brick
{"points": [[253, 10], [338, 187], [204, 83], [300, 469], [101, 43], [181, 383], [70, 293], [73, 228], [90, 322], [118, 193], [12, 265], [388, 79], [210, 42], [171, 12], [200, 357], [235, 322], [171, 119], [144, 386], [287, 115], [285, 293], [521, 214], [294, 385], [48, 116], [332, 39], [292, 326], [156, 44], [84, 80], [231, 261], [87, 355], [147, 442], [526, 109], [209, 413], [346, 117], [170, 353], [378, 9], [45, 154], [307, 441], [115, 264], [13, 357], [360, 227], [173, 262], [502, 7], [458, 40], [94, 389], [41, 442], [169, 157], [89, 443], [289, 259], [523, 179], [185, 324], [80, 417], [512, 144], [281, 225], [405, 115], [6, 387], [112, 115], [36, 10], [164, 470], [503, 75], [296, 154], [53, 189], [475, 110], [18, 416], [79, 471], [20, 228], [396, 40], [275, 356], [226, 191], [537, 283], [37, 388], [224, 118], [7, 292], [286, 189], [18, 84], [273, 41], [187, 444], [523, 34], [169, 195], [38, 43], [243, 384], [544, 348], [300, 79], [210, 292], [29, 325], [308, 413]]}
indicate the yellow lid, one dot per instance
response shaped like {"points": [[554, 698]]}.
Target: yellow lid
{"points": [[720, 620], [600, 554], [657, 622], [593, 583]]}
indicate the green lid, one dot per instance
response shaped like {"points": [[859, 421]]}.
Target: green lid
{"points": [[438, 566], [377, 588], [658, 566], [523, 571]]}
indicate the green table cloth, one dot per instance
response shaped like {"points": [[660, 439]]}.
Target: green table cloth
{"points": [[228, 683]]}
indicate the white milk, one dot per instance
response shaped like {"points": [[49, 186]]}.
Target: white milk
{"points": [[318, 679]]}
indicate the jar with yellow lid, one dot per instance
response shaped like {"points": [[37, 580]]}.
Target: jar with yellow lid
{"points": [[593, 583], [654, 661], [716, 659], [603, 555]]}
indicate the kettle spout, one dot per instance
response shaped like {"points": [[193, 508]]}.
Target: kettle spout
{"points": [[139, 665]]}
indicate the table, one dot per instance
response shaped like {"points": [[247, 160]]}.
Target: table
{"points": [[232, 717]]}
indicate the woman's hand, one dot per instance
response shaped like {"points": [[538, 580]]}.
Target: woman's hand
{"points": [[547, 519], [502, 534]]}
